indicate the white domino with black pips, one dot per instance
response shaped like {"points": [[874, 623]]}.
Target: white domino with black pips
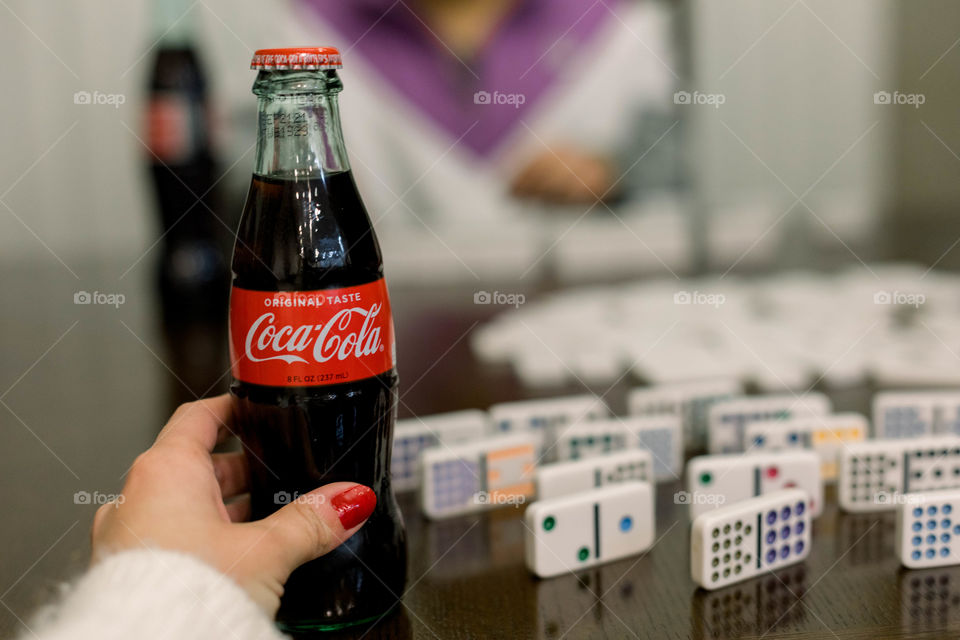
{"points": [[911, 414], [464, 478], [826, 435], [565, 478], [873, 473], [662, 436], [714, 481], [586, 529], [411, 436], [750, 538], [928, 529], [728, 418]]}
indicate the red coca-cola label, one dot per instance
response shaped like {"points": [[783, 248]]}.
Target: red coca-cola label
{"points": [[306, 338], [170, 128]]}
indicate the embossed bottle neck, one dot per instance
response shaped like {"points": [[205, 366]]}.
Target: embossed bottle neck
{"points": [[298, 124]]}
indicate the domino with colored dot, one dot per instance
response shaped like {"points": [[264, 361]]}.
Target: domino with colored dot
{"points": [[714, 481], [543, 415], [728, 418], [413, 435], [589, 439], [928, 529], [689, 401], [910, 414], [565, 478], [750, 538], [464, 478], [826, 435], [585, 529], [546, 416], [874, 472], [660, 435]]}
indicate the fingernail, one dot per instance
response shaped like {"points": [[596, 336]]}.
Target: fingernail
{"points": [[354, 505]]}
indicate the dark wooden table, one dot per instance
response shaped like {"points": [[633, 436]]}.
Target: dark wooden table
{"points": [[85, 388]]}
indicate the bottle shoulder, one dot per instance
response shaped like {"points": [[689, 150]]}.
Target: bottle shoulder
{"points": [[311, 233]]}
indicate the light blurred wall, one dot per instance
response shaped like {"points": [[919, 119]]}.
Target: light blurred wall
{"points": [[798, 78], [71, 174]]}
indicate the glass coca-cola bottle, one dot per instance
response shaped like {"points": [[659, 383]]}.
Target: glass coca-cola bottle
{"points": [[312, 340], [193, 271]]}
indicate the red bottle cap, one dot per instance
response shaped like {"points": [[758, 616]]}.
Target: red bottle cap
{"points": [[296, 58]]}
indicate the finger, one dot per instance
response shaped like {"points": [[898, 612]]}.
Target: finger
{"points": [[541, 178], [574, 192], [238, 509], [197, 423], [224, 432], [99, 518], [232, 473], [317, 522], [522, 184], [598, 174], [530, 179]]}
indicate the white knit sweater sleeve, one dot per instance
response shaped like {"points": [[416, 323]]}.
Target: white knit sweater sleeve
{"points": [[153, 594]]}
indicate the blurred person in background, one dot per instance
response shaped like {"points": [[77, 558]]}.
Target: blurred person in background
{"points": [[470, 111]]}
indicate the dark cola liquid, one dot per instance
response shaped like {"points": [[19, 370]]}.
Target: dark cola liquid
{"points": [[298, 235]]}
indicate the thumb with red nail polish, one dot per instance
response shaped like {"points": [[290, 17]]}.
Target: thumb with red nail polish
{"points": [[180, 496], [315, 524], [354, 505]]}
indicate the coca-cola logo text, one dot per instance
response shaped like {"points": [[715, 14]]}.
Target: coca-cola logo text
{"points": [[318, 337], [340, 337]]}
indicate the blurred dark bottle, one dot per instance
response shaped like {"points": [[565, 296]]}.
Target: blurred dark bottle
{"points": [[193, 273]]}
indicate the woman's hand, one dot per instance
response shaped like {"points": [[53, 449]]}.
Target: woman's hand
{"points": [[565, 176], [180, 496]]}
